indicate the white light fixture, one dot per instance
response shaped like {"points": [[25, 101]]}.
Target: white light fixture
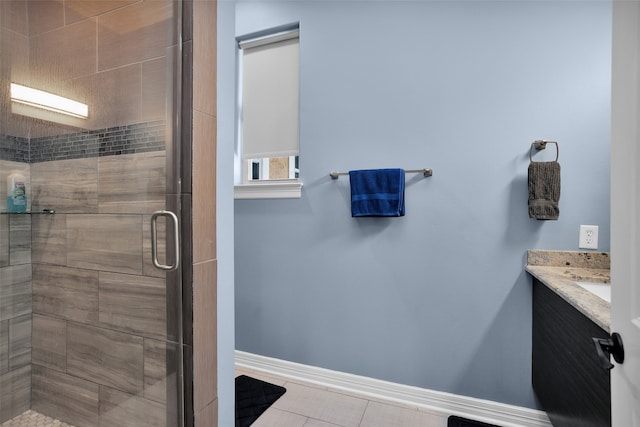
{"points": [[48, 101]]}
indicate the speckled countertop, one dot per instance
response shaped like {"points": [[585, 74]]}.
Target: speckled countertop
{"points": [[560, 270]]}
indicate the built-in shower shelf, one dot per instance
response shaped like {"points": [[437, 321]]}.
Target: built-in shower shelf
{"points": [[42, 212]]}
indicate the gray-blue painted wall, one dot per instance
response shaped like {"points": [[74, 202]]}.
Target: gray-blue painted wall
{"points": [[437, 299]]}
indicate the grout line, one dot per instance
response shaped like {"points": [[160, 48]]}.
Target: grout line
{"points": [[364, 412]]}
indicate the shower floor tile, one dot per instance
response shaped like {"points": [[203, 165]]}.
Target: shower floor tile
{"points": [[31, 418]]}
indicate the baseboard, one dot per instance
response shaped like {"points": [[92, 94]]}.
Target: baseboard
{"points": [[436, 401]]}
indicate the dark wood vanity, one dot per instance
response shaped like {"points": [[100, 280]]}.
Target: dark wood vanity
{"points": [[568, 376], [568, 380]]}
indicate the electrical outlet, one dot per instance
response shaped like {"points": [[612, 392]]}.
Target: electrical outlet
{"points": [[588, 237]]}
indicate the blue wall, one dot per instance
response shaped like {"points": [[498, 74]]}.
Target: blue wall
{"points": [[437, 299]]}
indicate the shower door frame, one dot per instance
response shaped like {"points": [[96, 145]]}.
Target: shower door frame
{"points": [[178, 138]]}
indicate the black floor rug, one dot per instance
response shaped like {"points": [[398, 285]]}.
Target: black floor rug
{"points": [[253, 397], [463, 422]]}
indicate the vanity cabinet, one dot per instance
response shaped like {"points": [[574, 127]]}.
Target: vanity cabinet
{"points": [[568, 380]]}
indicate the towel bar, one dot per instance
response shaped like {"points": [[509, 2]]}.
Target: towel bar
{"points": [[425, 172]]}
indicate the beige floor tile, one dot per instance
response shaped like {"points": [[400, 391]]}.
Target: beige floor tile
{"points": [[322, 405], [432, 412], [305, 405], [277, 418], [381, 415], [317, 423], [371, 398]]}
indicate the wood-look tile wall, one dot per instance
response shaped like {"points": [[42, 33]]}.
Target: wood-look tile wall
{"points": [[205, 384], [15, 303], [106, 54], [99, 318], [15, 324], [14, 59]]}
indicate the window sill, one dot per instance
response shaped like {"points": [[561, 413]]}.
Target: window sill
{"points": [[269, 190]]}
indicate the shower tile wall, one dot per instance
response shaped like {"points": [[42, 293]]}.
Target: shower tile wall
{"points": [[99, 307], [77, 275], [83, 318], [15, 290], [99, 322]]}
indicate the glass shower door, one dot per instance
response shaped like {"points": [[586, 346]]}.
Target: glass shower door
{"points": [[90, 328]]}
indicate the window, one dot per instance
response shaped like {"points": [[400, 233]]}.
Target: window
{"points": [[269, 117]]}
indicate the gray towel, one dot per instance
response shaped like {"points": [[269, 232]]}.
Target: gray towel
{"points": [[544, 190]]}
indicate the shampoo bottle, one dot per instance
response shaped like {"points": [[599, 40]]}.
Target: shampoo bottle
{"points": [[16, 193]]}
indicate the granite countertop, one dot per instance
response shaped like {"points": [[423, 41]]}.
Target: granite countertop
{"points": [[560, 270]]}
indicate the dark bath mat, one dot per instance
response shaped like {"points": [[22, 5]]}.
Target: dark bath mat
{"points": [[463, 422], [253, 397]]}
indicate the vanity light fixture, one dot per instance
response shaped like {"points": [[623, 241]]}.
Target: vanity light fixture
{"points": [[48, 101]]}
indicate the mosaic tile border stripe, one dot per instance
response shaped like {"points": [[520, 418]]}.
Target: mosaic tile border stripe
{"points": [[14, 148], [125, 139]]}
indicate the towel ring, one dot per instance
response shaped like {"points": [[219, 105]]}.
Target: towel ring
{"points": [[541, 144]]}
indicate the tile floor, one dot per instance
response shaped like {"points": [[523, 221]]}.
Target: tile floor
{"points": [[305, 405], [309, 405], [31, 418]]}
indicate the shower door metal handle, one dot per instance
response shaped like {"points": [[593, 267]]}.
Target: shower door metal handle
{"points": [[154, 240]]}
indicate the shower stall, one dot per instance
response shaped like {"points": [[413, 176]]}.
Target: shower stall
{"points": [[91, 293]]}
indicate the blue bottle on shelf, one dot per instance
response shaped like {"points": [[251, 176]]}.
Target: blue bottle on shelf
{"points": [[16, 193]]}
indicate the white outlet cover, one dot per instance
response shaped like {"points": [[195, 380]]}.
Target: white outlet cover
{"points": [[588, 237]]}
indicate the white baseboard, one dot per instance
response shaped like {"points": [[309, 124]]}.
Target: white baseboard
{"points": [[435, 401]]}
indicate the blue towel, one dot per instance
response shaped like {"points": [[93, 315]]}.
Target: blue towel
{"points": [[377, 192]]}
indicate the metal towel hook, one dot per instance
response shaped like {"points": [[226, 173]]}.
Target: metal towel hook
{"points": [[541, 144]]}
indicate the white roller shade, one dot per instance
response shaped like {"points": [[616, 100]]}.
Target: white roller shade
{"points": [[270, 100]]}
